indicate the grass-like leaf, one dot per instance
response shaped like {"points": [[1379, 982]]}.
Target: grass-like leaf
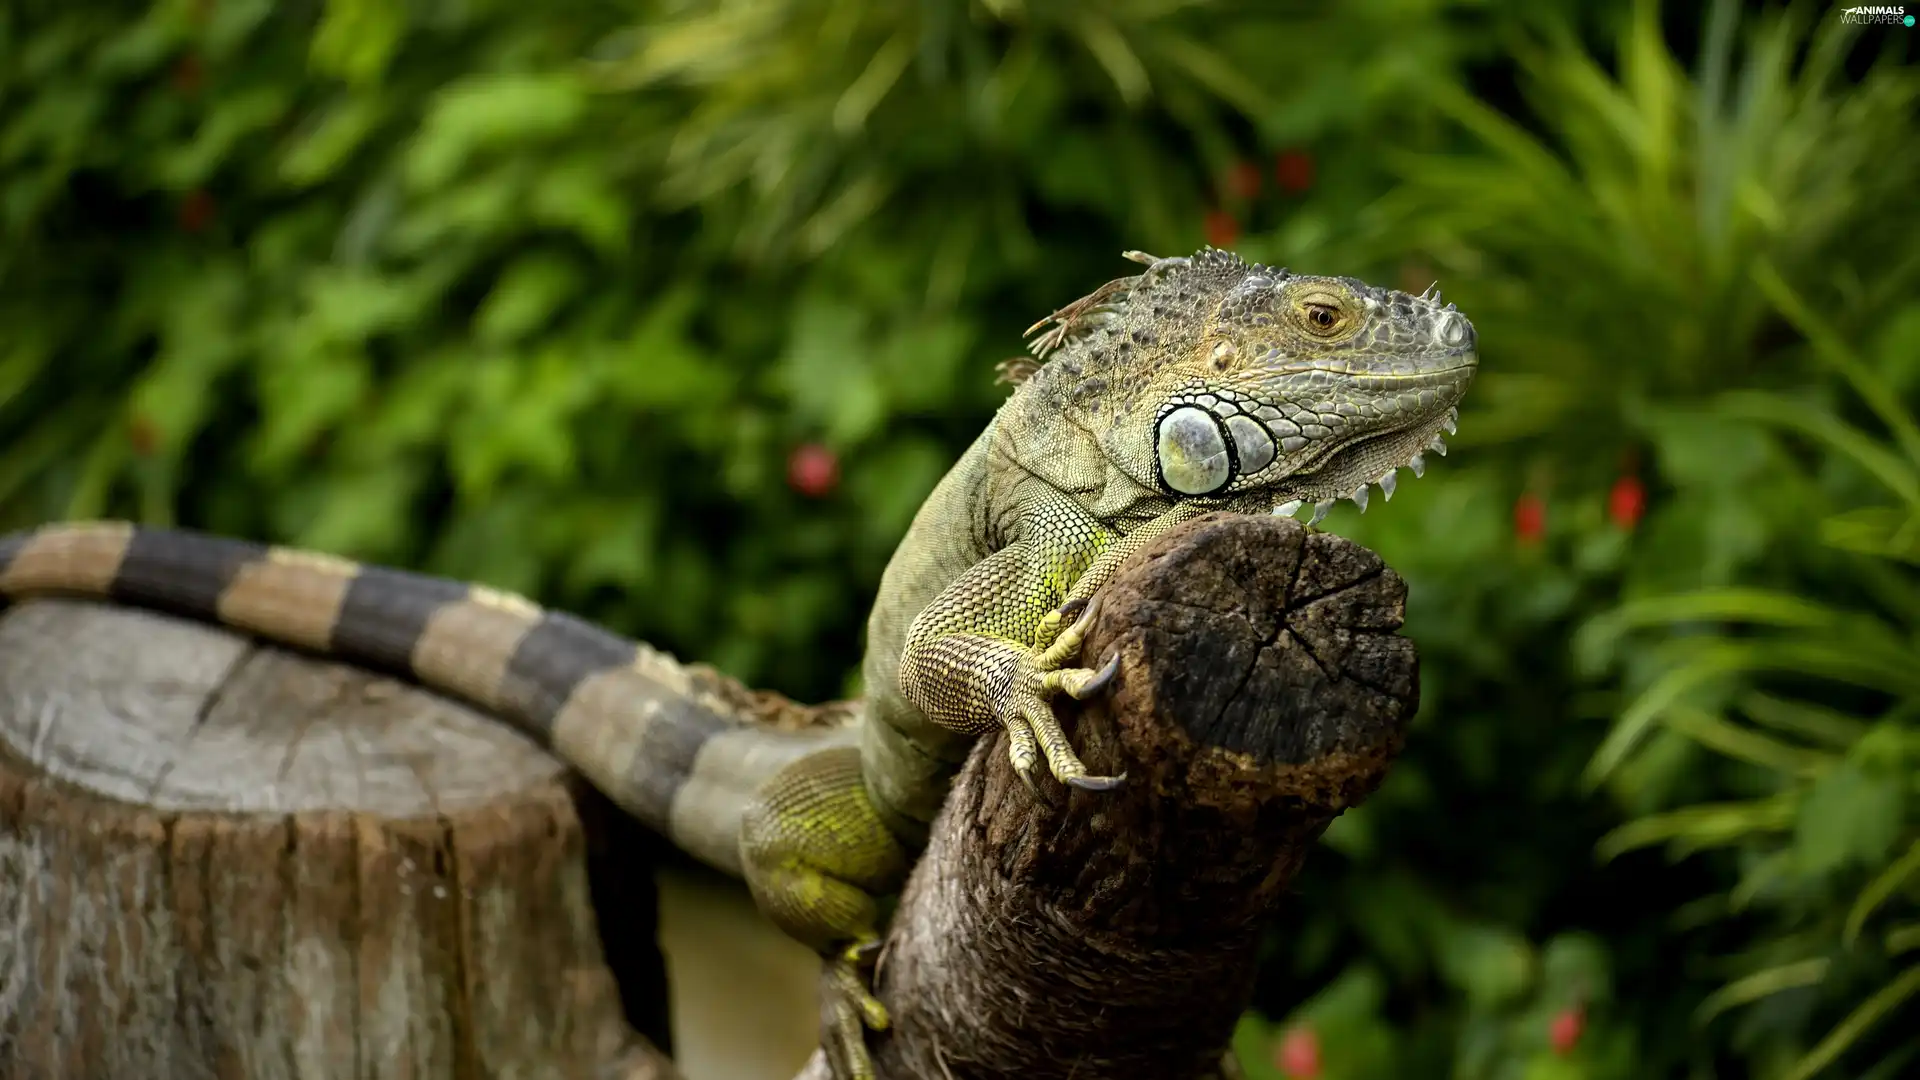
{"points": [[1702, 826], [1715, 732], [1766, 607], [1879, 890], [1856, 1024], [1761, 984], [1899, 475], [1827, 726]]}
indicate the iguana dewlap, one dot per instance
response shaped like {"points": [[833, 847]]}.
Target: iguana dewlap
{"points": [[1202, 384]]}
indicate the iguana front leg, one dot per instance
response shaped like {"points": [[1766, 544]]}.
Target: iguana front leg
{"points": [[974, 660], [1103, 568], [991, 651]]}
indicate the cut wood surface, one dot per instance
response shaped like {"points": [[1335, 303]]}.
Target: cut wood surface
{"points": [[1262, 689], [224, 860]]}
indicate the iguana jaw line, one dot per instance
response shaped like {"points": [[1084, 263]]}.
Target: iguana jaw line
{"points": [[1388, 481]]}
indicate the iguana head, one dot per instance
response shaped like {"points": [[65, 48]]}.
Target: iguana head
{"points": [[1206, 377]]}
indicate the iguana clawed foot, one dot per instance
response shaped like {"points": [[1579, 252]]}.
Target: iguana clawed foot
{"points": [[1027, 710], [848, 1010]]}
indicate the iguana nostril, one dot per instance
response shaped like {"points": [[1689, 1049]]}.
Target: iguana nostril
{"points": [[1451, 329]]}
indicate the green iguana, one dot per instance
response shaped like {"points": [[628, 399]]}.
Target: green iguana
{"points": [[1202, 384]]}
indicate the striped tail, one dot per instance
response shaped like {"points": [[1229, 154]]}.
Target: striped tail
{"points": [[672, 747]]}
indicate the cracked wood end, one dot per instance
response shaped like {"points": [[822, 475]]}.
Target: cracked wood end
{"points": [[220, 859], [1262, 689]]}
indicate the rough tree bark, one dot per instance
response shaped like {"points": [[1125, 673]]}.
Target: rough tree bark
{"points": [[219, 860], [1262, 689]]}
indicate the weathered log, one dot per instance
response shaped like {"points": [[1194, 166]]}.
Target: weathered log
{"points": [[1262, 689], [222, 860]]}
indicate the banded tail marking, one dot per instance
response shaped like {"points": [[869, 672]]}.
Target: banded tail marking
{"points": [[627, 716]]}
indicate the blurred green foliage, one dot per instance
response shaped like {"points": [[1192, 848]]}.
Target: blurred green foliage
{"points": [[671, 313]]}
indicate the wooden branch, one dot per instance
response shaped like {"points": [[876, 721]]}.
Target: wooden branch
{"points": [[1262, 690], [223, 860]]}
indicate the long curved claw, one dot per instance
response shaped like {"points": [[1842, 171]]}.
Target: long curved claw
{"points": [[848, 1010], [1061, 760], [1024, 752], [1081, 690]]}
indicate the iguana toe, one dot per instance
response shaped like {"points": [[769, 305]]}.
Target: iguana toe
{"points": [[1037, 716], [1023, 750], [1067, 645], [1053, 621], [1082, 683], [848, 1010]]}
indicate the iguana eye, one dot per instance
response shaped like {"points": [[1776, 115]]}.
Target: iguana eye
{"points": [[1322, 317], [1321, 312]]}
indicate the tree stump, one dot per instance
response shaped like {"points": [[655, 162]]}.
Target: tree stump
{"points": [[224, 860], [1262, 689]]}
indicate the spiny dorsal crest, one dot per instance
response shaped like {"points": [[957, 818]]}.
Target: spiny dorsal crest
{"points": [[1186, 281]]}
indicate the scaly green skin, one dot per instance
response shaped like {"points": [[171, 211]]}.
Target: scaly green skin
{"points": [[1203, 384]]}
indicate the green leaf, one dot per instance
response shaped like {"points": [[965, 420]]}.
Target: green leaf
{"points": [[299, 402], [1834, 350], [356, 39], [349, 306], [525, 296], [1702, 825], [827, 372], [1711, 665], [1848, 815], [1879, 890], [325, 142], [485, 112], [1881, 531], [1491, 963], [1856, 1024], [865, 93], [1761, 984], [1715, 732], [1108, 46], [1763, 607], [220, 136], [581, 195], [1803, 416], [1827, 726]]}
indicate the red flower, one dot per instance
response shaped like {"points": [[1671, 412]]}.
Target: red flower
{"points": [[188, 74], [196, 210], [1222, 229], [1298, 1054], [1564, 1032], [813, 470], [1627, 501], [1243, 180], [1529, 518], [1293, 171]]}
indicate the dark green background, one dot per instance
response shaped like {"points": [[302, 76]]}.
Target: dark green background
{"points": [[551, 295]]}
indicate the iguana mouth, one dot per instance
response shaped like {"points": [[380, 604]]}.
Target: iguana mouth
{"points": [[1387, 481]]}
